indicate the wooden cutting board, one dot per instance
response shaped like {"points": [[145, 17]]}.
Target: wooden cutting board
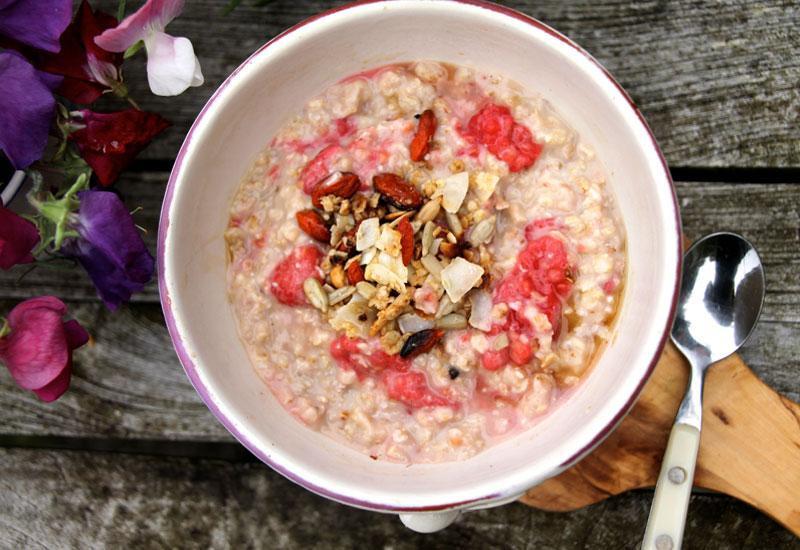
{"points": [[750, 447]]}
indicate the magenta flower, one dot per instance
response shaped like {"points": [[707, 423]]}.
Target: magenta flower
{"points": [[88, 70], [27, 108], [18, 236], [108, 142], [172, 66], [37, 23], [37, 345], [109, 247]]}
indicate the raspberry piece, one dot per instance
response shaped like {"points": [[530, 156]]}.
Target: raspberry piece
{"points": [[350, 354], [286, 281], [495, 128], [411, 389], [518, 351], [494, 359]]}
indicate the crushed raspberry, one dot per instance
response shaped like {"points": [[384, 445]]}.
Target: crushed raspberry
{"points": [[318, 168], [494, 359], [542, 273], [369, 360], [519, 351], [344, 126], [286, 281], [351, 354], [495, 128], [411, 389]]}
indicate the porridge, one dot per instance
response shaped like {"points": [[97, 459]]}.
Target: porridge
{"points": [[423, 261]]}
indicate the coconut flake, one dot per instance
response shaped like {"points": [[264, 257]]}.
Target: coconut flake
{"points": [[481, 314], [355, 318], [454, 189], [388, 270], [485, 184], [411, 322], [367, 234], [459, 277], [389, 241]]}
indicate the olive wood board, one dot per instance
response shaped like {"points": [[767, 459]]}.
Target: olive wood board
{"points": [[749, 449]]}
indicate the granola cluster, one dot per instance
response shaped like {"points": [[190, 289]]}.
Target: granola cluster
{"points": [[407, 259]]}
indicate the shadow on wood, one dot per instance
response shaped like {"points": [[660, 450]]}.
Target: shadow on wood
{"points": [[750, 446]]}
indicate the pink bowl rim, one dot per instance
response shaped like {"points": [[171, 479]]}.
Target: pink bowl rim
{"points": [[191, 369]]}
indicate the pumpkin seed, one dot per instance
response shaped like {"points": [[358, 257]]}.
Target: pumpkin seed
{"points": [[315, 294], [452, 321], [429, 210], [483, 231], [341, 294]]}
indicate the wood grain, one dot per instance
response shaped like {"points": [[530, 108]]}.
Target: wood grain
{"points": [[754, 457], [717, 81], [99, 500]]}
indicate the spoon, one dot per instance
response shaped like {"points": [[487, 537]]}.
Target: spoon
{"points": [[722, 290]]}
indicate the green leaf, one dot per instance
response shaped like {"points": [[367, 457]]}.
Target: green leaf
{"points": [[130, 52], [121, 10]]}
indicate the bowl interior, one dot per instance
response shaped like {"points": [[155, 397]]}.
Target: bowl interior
{"points": [[274, 84]]}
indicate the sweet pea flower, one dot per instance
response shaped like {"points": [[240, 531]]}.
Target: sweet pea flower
{"points": [[37, 23], [88, 70], [172, 66], [27, 108], [36, 346], [109, 247], [18, 236], [108, 142]]}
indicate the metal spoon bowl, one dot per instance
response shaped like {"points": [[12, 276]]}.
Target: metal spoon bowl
{"points": [[722, 291]]}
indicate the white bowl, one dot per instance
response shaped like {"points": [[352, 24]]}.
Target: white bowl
{"points": [[258, 98]]}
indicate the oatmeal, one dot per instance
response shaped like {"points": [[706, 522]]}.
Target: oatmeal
{"points": [[424, 261]]}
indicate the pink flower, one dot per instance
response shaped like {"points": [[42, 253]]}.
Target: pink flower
{"points": [[172, 66], [108, 142], [18, 236], [38, 348]]}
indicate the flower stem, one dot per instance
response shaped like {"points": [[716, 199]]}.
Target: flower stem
{"points": [[13, 186]]}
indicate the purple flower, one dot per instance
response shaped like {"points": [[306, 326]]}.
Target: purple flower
{"points": [[26, 108], [37, 23], [109, 247]]}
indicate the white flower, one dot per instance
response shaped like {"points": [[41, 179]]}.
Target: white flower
{"points": [[172, 66]]}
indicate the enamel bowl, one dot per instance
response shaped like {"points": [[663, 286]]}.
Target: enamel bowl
{"points": [[248, 109]]}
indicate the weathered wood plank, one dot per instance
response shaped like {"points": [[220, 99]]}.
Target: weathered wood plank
{"points": [[78, 500], [716, 80]]}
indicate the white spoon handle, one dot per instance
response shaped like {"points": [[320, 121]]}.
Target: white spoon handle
{"points": [[668, 512]]}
